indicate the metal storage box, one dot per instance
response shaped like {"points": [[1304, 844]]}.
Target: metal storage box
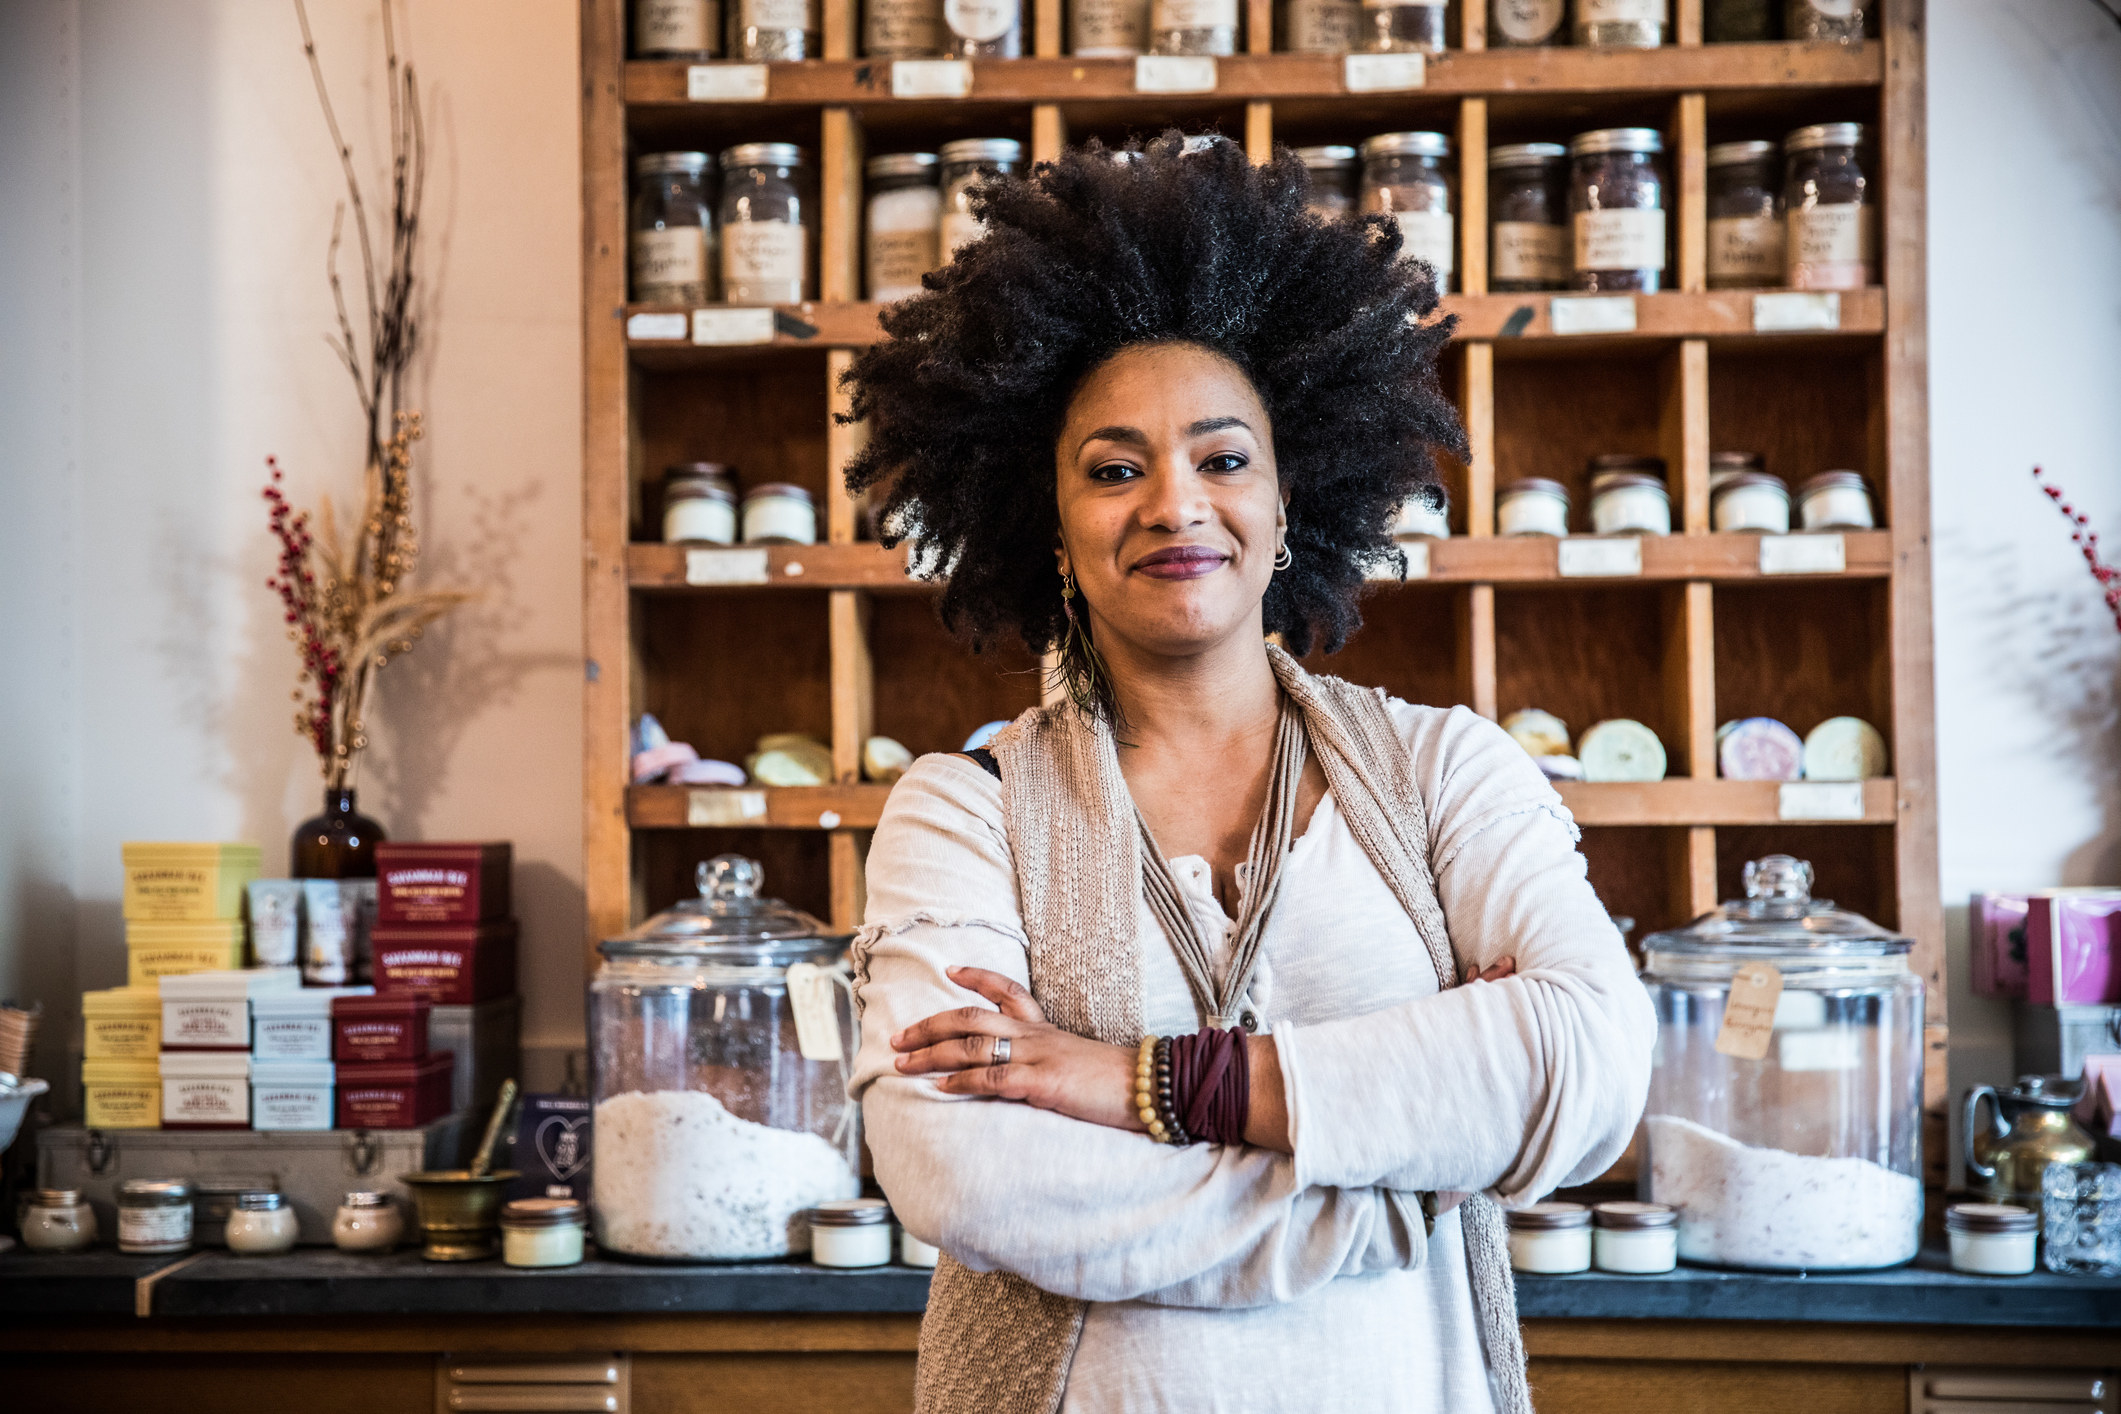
{"points": [[2054, 1040], [485, 1037]]}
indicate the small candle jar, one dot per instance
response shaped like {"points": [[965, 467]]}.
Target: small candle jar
{"points": [[1831, 242], [699, 505], [1319, 26], [1745, 217], [56, 1220], [851, 1232], [1635, 1238], [1528, 192], [779, 514], [1551, 1239], [765, 224], [1616, 210], [1630, 503], [1532, 505], [1333, 180], [912, 1252], [1991, 1239], [1750, 501], [1620, 24], [1193, 26], [1403, 26], [1519, 24], [1836, 500], [542, 1232], [965, 162], [154, 1216], [262, 1224], [1403, 177], [905, 223], [367, 1221]]}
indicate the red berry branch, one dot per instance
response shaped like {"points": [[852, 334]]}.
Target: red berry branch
{"points": [[296, 584], [2087, 541]]}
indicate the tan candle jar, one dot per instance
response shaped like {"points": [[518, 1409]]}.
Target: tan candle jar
{"points": [[367, 1221], [1750, 501], [1532, 505], [1836, 500], [56, 1220], [779, 514]]}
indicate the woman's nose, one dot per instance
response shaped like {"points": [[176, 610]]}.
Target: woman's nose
{"points": [[1176, 497]]}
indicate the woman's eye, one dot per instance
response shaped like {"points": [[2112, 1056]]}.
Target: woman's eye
{"points": [[1112, 471], [1225, 462]]}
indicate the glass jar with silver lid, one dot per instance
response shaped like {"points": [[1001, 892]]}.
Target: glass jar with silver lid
{"points": [[765, 224], [1335, 179], [1320, 26], [689, 30], [1108, 29], [1836, 500], [902, 29], [699, 504], [154, 1216], [1833, 228], [670, 237], [1521, 24], [1621, 24], [1629, 495], [770, 31], [57, 1220], [1616, 210], [983, 29], [1750, 501], [1824, 21], [905, 223], [1528, 198], [1532, 505], [1745, 216], [964, 162], [1403, 26], [1194, 26], [1403, 177]]}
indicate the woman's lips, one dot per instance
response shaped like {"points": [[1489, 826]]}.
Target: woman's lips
{"points": [[1181, 562]]}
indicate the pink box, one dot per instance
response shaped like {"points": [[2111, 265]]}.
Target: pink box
{"points": [[1997, 925], [2072, 938]]}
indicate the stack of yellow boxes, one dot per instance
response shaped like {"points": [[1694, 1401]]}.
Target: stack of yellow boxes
{"points": [[183, 913]]}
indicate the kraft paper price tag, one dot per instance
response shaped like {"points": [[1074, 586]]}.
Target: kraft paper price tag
{"points": [[1595, 557], [817, 1012], [725, 566], [1819, 800], [1749, 1012], [709, 809], [726, 83], [1788, 311], [658, 326], [1383, 73], [1592, 314], [1803, 554], [1174, 73], [733, 326], [931, 78]]}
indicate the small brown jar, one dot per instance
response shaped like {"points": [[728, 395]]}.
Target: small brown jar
{"points": [[1616, 210]]}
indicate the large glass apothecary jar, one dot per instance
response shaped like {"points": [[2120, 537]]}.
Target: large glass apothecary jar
{"points": [[1403, 177], [765, 223], [1785, 1112], [1319, 26], [721, 1116], [670, 231]]}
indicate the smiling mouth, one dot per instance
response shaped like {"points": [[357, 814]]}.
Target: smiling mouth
{"points": [[1181, 562]]}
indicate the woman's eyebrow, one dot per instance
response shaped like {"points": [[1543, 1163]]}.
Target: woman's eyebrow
{"points": [[1216, 424], [1130, 436]]}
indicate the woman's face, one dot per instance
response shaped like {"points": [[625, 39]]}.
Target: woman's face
{"points": [[1170, 509]]}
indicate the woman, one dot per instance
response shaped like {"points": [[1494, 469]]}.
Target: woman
{"points": [[1156, 415]]}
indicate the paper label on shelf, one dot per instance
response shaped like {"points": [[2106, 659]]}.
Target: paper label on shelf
{"points": [[1174, 73], [1626, 239], [1531, 251], [658, 326], [931, 78], [726, 83], [1788, 310], [1803, 554], [1384, 73], [1597, 557], [812, 996], [1417, 553], [1749, 1012], [725, 566], [1819, 800], [1745, 248], [1527, 21], [1592, 314], [1428, 236], [732, 326], [709, 809], [1601, 12], [674, 26]]}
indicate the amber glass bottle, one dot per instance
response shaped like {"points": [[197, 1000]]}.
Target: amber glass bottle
{"points": [[338, 844]]}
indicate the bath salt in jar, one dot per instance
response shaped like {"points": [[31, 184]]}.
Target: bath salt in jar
{"points": [[1550, 1239], [771, 31], [677, 29], [851, 1232], [1193, 27], [1832, 226], [964, 162], [1638, 1239], [765, 224], [670, 239], [1823, 21], [1750, 501], [1518, 24], [905, 223], [1335, 180], [1320, 26], [1528, 194], [1403, 27], [1402, 176], [1836, 500], [1108, 29], [1745, 216], [983, 29], [1616, 210], [1532, 505], [1991, 1239], [1621, 24]]}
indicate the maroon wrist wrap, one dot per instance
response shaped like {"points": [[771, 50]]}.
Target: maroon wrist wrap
{"points": [[1211, 1084]]}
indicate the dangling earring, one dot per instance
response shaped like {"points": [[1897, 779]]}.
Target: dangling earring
{"points": [[1282, 558], [1081, 667]]}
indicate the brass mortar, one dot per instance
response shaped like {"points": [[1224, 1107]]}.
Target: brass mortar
{"points": [[459, 1214]]}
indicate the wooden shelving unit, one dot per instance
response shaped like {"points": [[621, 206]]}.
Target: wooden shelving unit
{"points": [[838, 640]]}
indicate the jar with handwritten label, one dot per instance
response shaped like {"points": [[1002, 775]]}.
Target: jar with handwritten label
{"points": [[1193, 26], [774, 31], [1745, 216], [1616, 210], [1335, 180], [1621, 24], [1528, 194], [1833, 228], [670, 242], [905, 223], [765, 224], [902, 29], [1519, 24], [1320, 26], [1824, 21], [1108, 29], [983, 29], [690, 30], [1403, 177], [699, 504], [964, 163], [1836, 500], [1403, 26]]}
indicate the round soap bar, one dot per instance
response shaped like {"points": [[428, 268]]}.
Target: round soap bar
{"points": [[884, 760], [1540, 733], [1560, 768], [707, 773], [1621, 750], [1844, 749], [1759, 749], [791, 759]]}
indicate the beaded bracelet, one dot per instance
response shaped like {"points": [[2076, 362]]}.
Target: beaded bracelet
{"points": [[1154, 1102]]}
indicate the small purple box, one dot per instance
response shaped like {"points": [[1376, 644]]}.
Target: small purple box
{"points": [[2073, 948], [1997, 924]]}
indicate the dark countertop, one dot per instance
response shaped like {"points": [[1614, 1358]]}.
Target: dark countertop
{"points": [[320, 1281]]}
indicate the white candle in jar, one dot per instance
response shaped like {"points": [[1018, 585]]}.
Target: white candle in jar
{"points": [[1750, 501], [851, 1232], [1635, 1238], [542, 1232], [261, 1225], [1627, 502], [913, 1252], [1836, 500], [1991, 1239], [1551, 1238], [1532, 506], [367, 1221]]}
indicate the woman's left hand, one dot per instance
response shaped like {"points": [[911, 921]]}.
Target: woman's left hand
{"points": [[1047, 1068]]}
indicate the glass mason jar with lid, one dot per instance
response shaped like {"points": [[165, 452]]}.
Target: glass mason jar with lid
{"points": [[1193, 26], [1320, 26], [902, 29], [1833, 228], [1519, 24], [1108, 29], [1402, 176], [905, 223], [1745, 216], [1403, 26], [1785, 1111], [721, 1034], [1616, 207], [765, 224], [770, 31], [964, 162], [1334, 179], [677, 29], [670, 240], [984, 29], [1621, 24], [1528, 192]]}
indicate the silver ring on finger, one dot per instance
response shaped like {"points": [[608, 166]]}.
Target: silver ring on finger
{"points": [[1000, 1054]]}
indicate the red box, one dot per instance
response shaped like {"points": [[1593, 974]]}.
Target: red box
{"points": [[442, 883], [378, 1028], [449, 964], [394, 1094]]}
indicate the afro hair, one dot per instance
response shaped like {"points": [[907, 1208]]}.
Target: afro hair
{"points": [[1105, 249]]}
